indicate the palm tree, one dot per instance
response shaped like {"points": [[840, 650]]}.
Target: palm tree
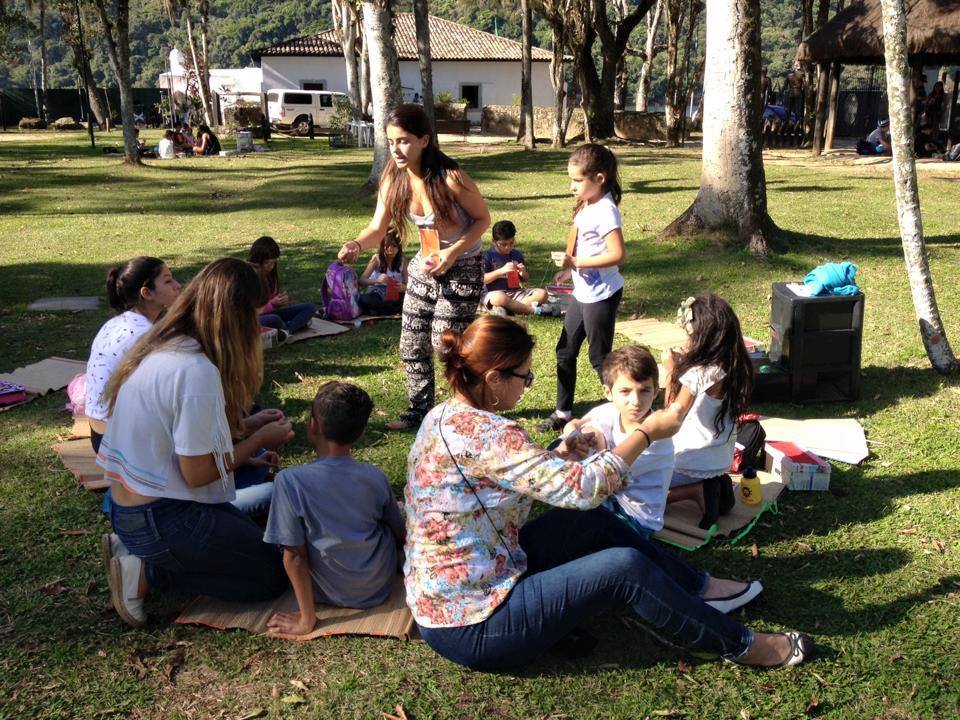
{"points": [[905, 184]]}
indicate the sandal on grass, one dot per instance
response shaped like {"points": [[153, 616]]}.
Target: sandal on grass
{"points": [[407, 421]]}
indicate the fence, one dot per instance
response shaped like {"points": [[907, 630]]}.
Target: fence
{"points": [[18, 103]]}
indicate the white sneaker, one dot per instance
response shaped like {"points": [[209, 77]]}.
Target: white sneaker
{"points": [[110, 547], [732, 602], [498, 310], [124, 582]]}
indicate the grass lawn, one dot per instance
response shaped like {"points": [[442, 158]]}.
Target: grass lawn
{"points": [[871, 569]]}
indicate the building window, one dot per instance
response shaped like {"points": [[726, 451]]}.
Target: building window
{"points": [[471, 93], [313, 84]]}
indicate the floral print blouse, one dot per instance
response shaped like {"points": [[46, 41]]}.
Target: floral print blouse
{"points": [[462, 562]]}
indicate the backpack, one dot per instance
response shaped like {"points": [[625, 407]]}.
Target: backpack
{"points": [[750, 443], [340, 292]]}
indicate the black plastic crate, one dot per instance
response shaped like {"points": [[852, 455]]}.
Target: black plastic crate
{"points": [[818, 340]]}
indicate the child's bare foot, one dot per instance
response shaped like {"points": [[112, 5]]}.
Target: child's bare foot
{"points": [[778, 650], [291, 624]]}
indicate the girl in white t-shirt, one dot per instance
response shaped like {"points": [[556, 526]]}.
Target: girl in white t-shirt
{"points": [[176, 401], [138, 291], [711, 377], [388, 264], [594, 252]]}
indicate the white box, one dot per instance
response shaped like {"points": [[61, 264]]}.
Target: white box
{"points": [[797, 468], [268, 336]]}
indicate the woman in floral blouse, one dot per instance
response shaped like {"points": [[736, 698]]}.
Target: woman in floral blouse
{"points": [[489, 591]]}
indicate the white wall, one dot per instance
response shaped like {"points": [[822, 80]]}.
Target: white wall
{"points": [[499, 81]]}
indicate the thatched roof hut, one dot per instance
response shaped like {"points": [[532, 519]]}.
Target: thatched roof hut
{"points": [[854, 36]]}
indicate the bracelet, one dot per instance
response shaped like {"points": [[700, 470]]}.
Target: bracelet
{"points": [[641, 430], [359, 246]]}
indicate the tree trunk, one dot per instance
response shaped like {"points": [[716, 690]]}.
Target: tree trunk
{"points": [[366, 94], [345, 23], [421, 17], [732, 193], [905, 184], [650, 50], [558, 80], [835, 69], [42, 12], [204, 10], [385, 79], [116, 38], [526, 71], [620, 62], [672, 113], [819, 127], [199, 68]]}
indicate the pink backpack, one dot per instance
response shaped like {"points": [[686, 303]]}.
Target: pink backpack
{"points": [[340, 292]]}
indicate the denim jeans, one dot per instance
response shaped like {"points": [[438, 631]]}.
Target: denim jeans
{"points": [[289, 318], [581, 563], [254, 490], [201, 549]]}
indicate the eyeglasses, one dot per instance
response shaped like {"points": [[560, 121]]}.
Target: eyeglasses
{"points": [[528, 377]]}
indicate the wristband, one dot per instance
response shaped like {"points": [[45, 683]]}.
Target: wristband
{"points": [[359, 246], [641, 430]]}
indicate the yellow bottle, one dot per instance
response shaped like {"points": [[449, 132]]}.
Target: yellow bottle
{"points": [[750, 491]]}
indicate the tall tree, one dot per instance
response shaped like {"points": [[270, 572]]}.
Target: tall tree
{"points": [[905, 184], [385, 79], [40, 6], [650, 51], [682, 21], [733, 195], [526, 85], [556, 16], [115, 21], [421, 17], [347, 25], [72, 31], [177, 9]]}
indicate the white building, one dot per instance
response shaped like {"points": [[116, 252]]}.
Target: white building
{"points": [[481, 68]]}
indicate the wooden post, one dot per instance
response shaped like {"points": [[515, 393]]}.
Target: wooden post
{"points": [[821, 116], [835, 69]]}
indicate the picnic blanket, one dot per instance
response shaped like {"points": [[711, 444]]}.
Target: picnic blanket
{"points": [[655, 334], [391, 619], [78, 457], [360, 319], [681, 518], [316, 328], [54, 373]]}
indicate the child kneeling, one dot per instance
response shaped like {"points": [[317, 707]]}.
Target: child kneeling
{"points": [[631, 383], [336, 518]]}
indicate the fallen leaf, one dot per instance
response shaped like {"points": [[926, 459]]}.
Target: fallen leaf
{"points": [[135, 663], [744, 714], [820, 679], [665, 713], [896, 656], [74, 533], [806, 547], [101, 653], [755, 551], [911, 530], [274, 693], [682, 666], [174, 663], [88, 588], [293, 699], [54, 588], [299, 685], [812, 705], [940, 546], [380, 413], [253, 714]]}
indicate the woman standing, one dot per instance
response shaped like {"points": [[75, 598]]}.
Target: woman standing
{"points": [[490, 591], [177, 399], [445, 282]]}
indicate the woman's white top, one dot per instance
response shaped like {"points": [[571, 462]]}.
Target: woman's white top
{"points": [[700, 451], [112, 342], [644, 495], [171, 405], [594, 222]]}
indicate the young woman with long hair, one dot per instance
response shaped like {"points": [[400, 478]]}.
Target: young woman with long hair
{"points": [[424, 186], [490, 590], [177, 399]]}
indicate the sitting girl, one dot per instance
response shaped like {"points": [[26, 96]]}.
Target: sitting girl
{"points": [[711, 378], [277, 313], [137, 291], [387, 265]]}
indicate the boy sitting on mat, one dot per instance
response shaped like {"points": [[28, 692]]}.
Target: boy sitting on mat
{"points": [[336, 518], [504, 272]]}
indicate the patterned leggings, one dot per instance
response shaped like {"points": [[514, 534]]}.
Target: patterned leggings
{"points": [[430, 306]]}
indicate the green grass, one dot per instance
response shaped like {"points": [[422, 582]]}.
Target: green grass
{"points": [[857, 567]]}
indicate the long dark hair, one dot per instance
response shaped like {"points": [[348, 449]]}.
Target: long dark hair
{"points": [[396, 264], [592, 158], [124, 282], [489, 343], [716, 339], [266, 248], [434, 165]]}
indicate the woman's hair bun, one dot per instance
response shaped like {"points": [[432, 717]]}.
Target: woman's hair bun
{"points": [[451, 345]]}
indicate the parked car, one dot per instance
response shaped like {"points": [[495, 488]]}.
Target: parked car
{"points": [[290, 110]]}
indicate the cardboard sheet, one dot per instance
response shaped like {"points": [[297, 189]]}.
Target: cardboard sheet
{"points": [[54, 373], [367, 318], [655, 334], [681, 518], [391, 619], [840, 439], [78, 457], [80, 429], [316, 328], [65, 303]]}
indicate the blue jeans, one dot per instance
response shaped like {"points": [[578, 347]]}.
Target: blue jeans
{"points": [[289, 318], [254, 491], [581, 563], [201, 549]]}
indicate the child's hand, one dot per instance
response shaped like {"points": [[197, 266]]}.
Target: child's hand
{"points": [[291, 624], [508, 268], [569, 263], [561, 277], [268, 459], [401, 287], [259, 419], [443, 261], [275, 434], [280, 299], [669, 359], [595, 438], [382, 278], [574, 447]]}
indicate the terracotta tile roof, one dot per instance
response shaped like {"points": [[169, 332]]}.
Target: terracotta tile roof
{"points": [[448, 41]]}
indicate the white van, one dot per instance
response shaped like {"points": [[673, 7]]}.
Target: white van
{"points": [[291, 109]]}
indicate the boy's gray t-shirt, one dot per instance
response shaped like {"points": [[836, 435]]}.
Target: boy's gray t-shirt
{"points": [[343, 511]]}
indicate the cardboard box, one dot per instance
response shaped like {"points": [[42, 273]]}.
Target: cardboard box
{"points": [[268, 336], [797, 468]]}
